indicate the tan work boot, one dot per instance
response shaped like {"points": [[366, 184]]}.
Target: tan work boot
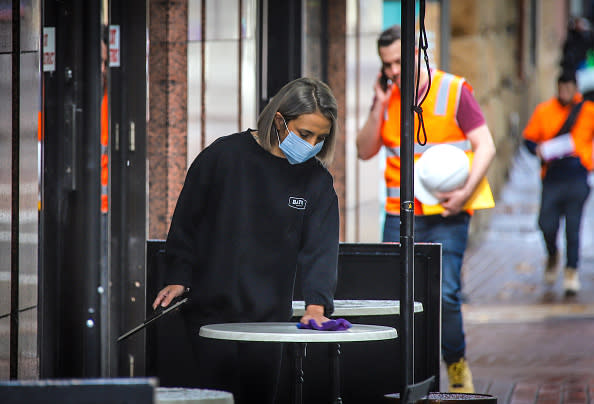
{"points": [[571, 283], [460, 377], [551, 269]]}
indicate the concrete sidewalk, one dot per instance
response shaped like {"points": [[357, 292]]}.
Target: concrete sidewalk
{"points": [[527, 343]]}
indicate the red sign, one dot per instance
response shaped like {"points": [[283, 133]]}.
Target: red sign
{"points": [[114, 46], [49, 49]]}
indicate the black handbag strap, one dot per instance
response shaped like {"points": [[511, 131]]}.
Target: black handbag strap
{"points": [[568, 124]]}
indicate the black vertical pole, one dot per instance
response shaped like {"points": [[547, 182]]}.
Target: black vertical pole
{"points": [[407, 195], [91, 188], [15, 190]]}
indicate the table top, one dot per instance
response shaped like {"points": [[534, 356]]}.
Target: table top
{"points": [[177, 395], [360, 307], [288, 332]]}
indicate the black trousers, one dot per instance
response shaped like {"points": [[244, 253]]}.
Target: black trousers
{"points": [[563, 199]]}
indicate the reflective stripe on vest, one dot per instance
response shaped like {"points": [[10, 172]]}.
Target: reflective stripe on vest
{"points": [[441, 102], [393, 192]]}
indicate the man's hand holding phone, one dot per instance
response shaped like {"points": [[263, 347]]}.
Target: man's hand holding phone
{"points": [[383, 89]]}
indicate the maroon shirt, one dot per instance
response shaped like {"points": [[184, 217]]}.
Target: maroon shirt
{"points": [[469, 115]]}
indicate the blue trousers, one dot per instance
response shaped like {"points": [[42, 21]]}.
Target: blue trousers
{"points": [[563, 199], [452, 234]]}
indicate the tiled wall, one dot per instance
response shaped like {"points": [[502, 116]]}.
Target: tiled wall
{"points": [[221, 93], [23, 166], [364, 179], [223, 101], [199, 90]]}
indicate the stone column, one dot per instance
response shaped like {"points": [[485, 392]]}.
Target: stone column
{"points": [[336, 24], [167, 127]]}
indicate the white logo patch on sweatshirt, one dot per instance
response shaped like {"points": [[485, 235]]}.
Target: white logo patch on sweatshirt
{"points": [[297, 203]]}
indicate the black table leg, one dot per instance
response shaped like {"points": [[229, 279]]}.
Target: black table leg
{"points": [[298, 355], [334, 356]]}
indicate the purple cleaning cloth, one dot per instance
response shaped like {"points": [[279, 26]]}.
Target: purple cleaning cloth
{"points": [[340, 324]]}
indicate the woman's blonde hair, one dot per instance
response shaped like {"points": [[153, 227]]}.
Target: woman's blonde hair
{"points": [[296, 98]]}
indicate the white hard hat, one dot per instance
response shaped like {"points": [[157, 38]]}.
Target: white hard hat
{"points": [[440, 168]]}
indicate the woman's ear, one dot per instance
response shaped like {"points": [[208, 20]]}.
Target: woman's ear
{"points": [[278, 122]]}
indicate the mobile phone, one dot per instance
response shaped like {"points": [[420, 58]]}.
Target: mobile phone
{"points": [[385, 82]]}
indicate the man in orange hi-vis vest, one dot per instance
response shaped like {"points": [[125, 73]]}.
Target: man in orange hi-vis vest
{"points": [[560, 134], [452, 116]]}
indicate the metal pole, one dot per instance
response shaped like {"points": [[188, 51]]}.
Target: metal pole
{"points": [[90, 257], [407, 193]]}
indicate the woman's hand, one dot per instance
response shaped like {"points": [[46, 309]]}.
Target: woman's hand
{"points": [[167, 294], [315, 312]]}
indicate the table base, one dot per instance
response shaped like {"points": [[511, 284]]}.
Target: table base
{"points": [[299, 353]]}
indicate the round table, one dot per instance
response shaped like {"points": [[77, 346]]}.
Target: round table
{"points": [[344, 308], [178, 395], [288, 332]]}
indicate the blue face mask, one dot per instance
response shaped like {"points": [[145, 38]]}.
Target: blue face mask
{"points": [[296, 149]]}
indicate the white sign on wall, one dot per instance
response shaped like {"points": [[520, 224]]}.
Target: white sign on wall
{"points": [[114, 46], [49, 49]]}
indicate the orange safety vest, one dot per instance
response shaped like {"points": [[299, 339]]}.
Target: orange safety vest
{"points": [[582, 134], [439, 115], [548, 118]]}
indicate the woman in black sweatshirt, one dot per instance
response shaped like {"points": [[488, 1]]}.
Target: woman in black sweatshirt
{"points": [[257, 208]]}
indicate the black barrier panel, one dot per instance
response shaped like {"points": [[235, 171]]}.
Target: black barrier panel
{"points": [[79, 391], [371, 369], [368, 369], [168, 351]]}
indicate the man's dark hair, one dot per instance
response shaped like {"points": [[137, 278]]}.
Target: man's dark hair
{"points": [[389, 36], [567, 77]]}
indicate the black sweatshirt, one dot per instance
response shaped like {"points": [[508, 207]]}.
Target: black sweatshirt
{"points": [[244, 222]]}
